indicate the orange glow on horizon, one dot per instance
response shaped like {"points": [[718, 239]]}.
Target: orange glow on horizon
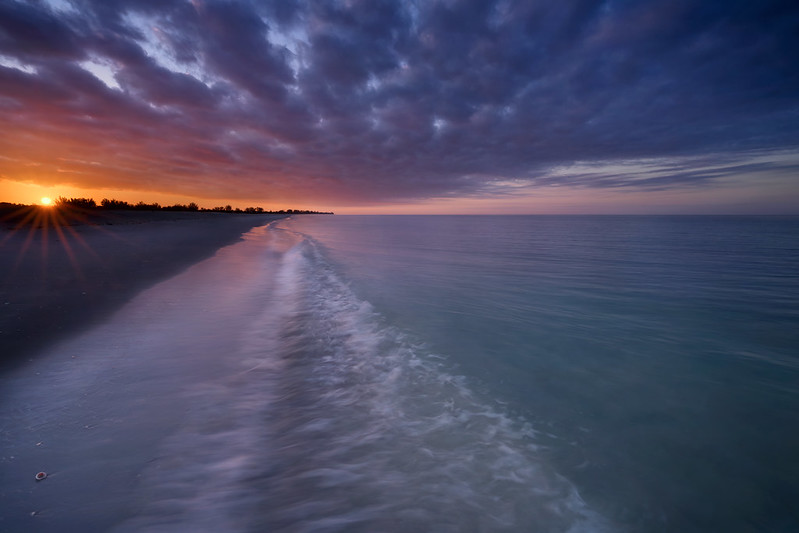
{"points": [[29, 193], [733, 196], [46, 201]]}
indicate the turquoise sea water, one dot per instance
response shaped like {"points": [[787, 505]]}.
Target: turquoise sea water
{"points": [[437, 374], [656, 359]]}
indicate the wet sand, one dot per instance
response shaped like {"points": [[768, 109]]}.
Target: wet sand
{"points": [[56, 281], [142, 420]]}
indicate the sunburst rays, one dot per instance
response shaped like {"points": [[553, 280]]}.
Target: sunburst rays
{"points": [[40, 221]]}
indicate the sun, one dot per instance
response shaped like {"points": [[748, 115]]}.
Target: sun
{"points": [[46, 201]]}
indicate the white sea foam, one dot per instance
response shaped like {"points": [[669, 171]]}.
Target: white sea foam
{"points": [[370, 432]]}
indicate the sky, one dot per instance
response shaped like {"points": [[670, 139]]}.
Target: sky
{"points": [[419, 106]]}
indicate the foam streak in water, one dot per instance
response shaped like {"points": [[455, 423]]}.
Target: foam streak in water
{"points": [[256, 392], [368, 432]]}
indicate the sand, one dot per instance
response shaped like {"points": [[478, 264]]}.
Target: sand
{"points": [[56, 282]]}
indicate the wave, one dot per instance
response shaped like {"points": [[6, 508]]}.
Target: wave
{"points": [[368, 430], [338, 421]]}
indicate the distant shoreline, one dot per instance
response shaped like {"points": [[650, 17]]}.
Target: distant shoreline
{"points": [[56, 280], [20, 215]]}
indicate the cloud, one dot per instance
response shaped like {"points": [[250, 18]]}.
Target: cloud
{"points": [[29, 32], [362, 101]]}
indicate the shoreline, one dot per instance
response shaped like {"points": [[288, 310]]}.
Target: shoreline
{"points": [[57, 281]]}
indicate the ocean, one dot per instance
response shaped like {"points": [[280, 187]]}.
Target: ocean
{"points": [[431, 373]]}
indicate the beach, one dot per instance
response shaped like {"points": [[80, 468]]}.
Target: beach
{"points": [[420, 373], [56, 281], [138, 404], [254, 391]]}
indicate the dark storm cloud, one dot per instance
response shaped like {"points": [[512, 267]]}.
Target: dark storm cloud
{"points": [[377, 100]]}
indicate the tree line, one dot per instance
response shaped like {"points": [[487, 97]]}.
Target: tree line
{"points": [[90, 204]]}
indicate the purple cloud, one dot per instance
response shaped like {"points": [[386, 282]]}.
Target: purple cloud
{"points": [[365, 101]]}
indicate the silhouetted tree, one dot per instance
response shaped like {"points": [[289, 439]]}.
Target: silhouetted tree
{"points": [[115, 204], [155, 206], [80, 203]]}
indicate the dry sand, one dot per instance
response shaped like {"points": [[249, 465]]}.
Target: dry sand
{"points": [[56, 282]]}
